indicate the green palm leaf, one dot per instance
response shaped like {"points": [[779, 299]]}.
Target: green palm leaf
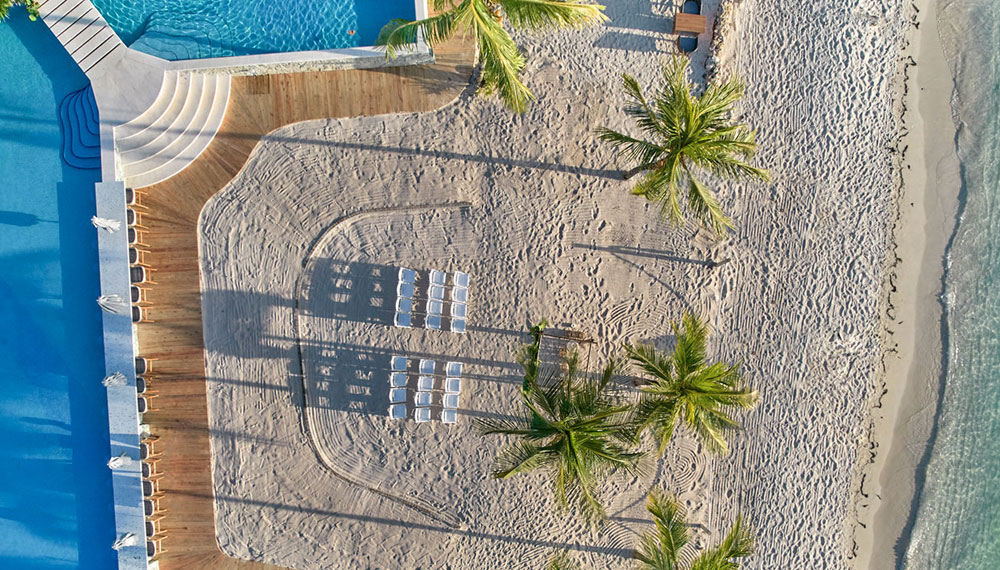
{"points": [[685, 133]]}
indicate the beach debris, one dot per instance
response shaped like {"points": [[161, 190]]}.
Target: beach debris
{"points": [[113, 304], [127, 539], [118, 461], [116, 379], [106, 224]]}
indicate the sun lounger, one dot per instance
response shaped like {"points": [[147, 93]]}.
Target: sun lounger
{"points": [[427, 366], [399, 364], [397, 411], [458, 325], [449, 416], [453, 385], [433, 322], [404, 305], [438, 277], [397, 380], [450, 401], [459, 295], [422, 415], [459, 279], [425, 383], [459, 310], [397, 396], [423, 399], [407, 275], [453, 369]]}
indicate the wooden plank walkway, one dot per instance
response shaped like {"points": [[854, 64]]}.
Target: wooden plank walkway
{"points": [[169, 211]]}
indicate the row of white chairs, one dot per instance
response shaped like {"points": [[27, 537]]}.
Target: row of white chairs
{"points": [[427, 391], [434, 304]]}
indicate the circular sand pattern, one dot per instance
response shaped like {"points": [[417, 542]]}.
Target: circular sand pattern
{"points": [[686, 462]]}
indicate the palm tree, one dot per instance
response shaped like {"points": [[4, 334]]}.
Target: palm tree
{"points": [[573, 427], [501, 60], [30, 5], [685, 387], [685, 133], [661, 550]]}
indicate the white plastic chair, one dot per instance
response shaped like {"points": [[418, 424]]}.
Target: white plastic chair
{"points": [[407, 275], [438, 277], [397, 411], [435, 307], [436, 292], [453, 385], [399, 364], [457, 326], [404, 320], [422, 415], [397, 396], [433, 322], [423, 399], [453, 369], [458, 310], [425, 383], [397, 380], [460, 279], [450, 401], [427, 366], [405, 290], [449, 416]]}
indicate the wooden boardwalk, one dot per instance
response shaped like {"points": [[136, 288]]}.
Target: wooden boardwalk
{"points": [[169, 211]]}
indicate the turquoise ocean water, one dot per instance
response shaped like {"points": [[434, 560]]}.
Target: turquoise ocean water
{"points": [[957, 523]]}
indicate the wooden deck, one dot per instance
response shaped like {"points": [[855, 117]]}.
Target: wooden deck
{"points": [[170, 211]]}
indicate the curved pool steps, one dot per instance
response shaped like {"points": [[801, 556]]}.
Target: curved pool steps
{"points": [[81, 146], [82, 30], [175, 130]]}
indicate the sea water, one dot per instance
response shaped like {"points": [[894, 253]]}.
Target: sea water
{"points": [[957, 522]]}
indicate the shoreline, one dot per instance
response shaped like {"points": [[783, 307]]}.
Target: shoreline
{"points": [[904, 414]]}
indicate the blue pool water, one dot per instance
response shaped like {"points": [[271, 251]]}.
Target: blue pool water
{"points": [[957, 522], [192, 29], [55, 489]]}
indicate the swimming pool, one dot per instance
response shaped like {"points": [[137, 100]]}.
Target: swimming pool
{"points": [[56, 506], [195, 29]]}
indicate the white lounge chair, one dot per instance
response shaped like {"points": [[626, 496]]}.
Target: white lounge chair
{"points": [[435, 307], [425, 383], [459, 295], [422, 415], [397, 411], [397, 396], [427, 366], [453, 385], [404, 320], [399, 364], [407, 275], [453, 369], [423, 399], [405, 290], [450, 401], [458, 325], [449, 416], [397, 380], [404, 305], [436, 292], [438, 277], [433, 322], [459, 279], [459, 310]]}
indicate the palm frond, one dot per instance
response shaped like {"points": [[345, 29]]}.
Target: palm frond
{"points": [[737, 544], [563, 561], [537, 14], [706, 208], [401, 34], [518, 457]]}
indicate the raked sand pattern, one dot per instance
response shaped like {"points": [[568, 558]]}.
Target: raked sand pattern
{"points": [[298, 261]]}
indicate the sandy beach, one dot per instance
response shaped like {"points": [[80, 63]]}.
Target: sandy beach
{"points": [[905, 415], [298, 255]]}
